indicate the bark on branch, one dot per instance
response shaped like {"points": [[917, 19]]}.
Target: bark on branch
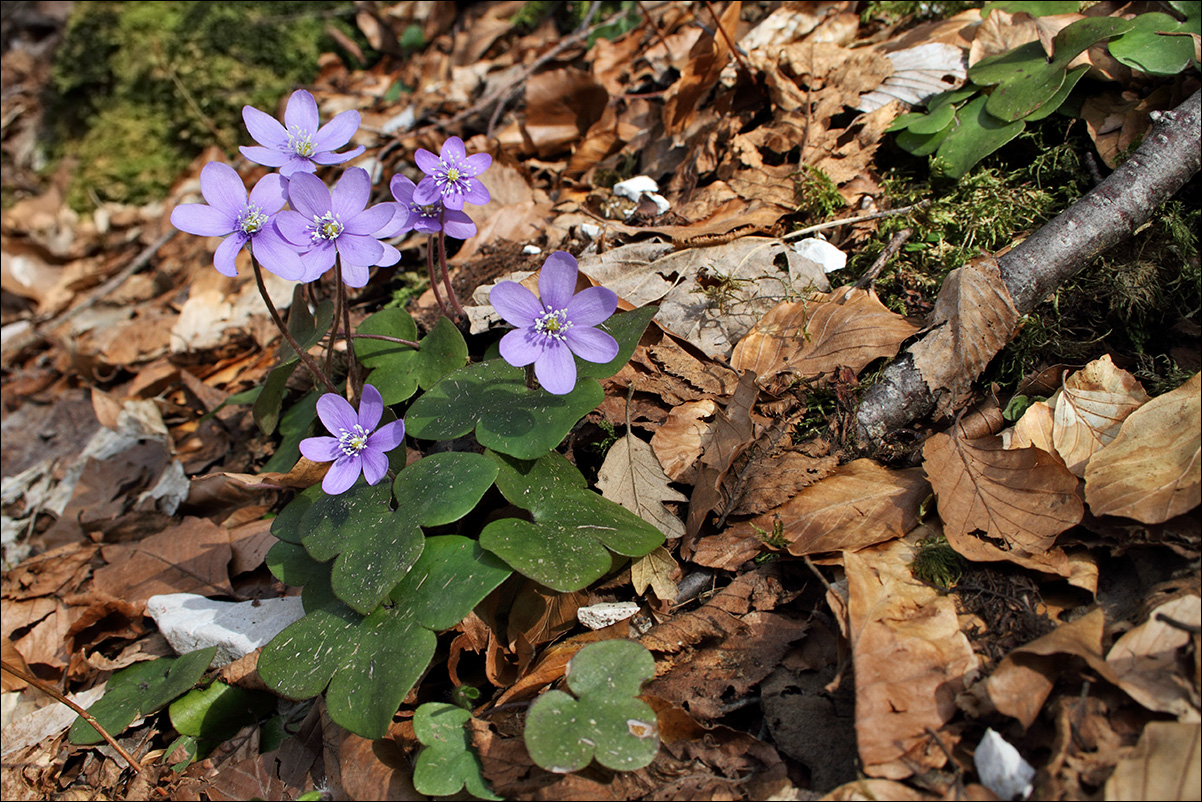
{"points": [[1110, 213]]}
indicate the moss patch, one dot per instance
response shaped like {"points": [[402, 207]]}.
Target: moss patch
{"points": [[143, 87]]}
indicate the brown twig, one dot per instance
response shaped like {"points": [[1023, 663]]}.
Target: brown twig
{"points": [[279, 324], [888, 253], [415, 346], [85, 715], [847, 221], [729, 42]]}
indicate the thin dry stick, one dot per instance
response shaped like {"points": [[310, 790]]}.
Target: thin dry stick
{"points": [[279, 324], [888, 253], [53, 693], [415, 346], [647, 18], [352, 371], [729, 42], [846, 221]]}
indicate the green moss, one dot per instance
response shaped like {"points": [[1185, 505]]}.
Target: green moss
{"points": [[893, 12], [817, 196], [143, 87]]}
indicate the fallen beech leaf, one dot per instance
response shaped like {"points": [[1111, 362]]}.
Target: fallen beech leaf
{"points": [[679, 440], [1021, 683], [1166, 765], [857, 505], [975, 316], [1153, 470], [733, 431], [655, 571], [911, 661], [771, 482], [1093, 405], [1145, 659], [632, 477], [560, 106], [814, 337], [706, 59], [998, 504], [191, 557], [1034, 428]]}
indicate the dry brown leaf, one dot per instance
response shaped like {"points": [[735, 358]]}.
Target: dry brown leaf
{"points": [[560, 106], [1021, 683], [911, 661], [656, 571], [680, 440], [999, 504], [733, 431], [191, 557], [1153, 470], [771, 482], [706, 60], [1145, 659], [858, 505], [814, 337], [975, 317], [1091, 408], [632, 477], [1166, 765]]}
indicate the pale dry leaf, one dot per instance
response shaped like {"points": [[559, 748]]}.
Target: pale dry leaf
{"points": [[997, 504], [1166, 765], [632, 477], [911, 661], [1145, 659], [975, 316], [1034, 428], [655, 571], [770, 482], [745, 282], [813, 337], [858, 505], [1153, 470], [1092, 407]]}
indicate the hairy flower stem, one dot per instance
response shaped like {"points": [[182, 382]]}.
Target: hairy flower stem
{"points": [[442, 307], [531, 382], [352, 371], [308, 361], [442, 263], [414, 345]]}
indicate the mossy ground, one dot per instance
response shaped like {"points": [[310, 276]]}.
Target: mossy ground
{"points": [[141, 88]]}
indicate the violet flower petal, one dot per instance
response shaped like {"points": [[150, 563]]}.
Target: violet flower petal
{"points": [[371, 407], [226, 254], [222, 187], [522, 347], [301, 113], [368, 221], [265, 156], [275, 254], [517, 305], [265, 129], [202, 220], [388, 436], [426, 161], [342, 474], [426, 192], [557, 280], [309, 195], [590, 344], [555, 369], [351, 194], [320, 449], [458, 224], [354, 275], [270, 193], [356, 249], [337, 132], [592, 306], [336, 413], [327, 157], [375, 465]]}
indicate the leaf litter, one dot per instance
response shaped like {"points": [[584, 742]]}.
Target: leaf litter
{"points": [[152, 481]]}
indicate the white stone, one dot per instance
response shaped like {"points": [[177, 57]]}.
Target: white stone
{"points": [[1001, 768], [821, 253], [599, 616], [190, 622], [531, 250], [589, 230], [634, 188]]}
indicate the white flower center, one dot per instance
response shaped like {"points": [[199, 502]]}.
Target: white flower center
{"points": [[326, 227], [251, 221], [300, 142], [553, 324], [353, 441]]}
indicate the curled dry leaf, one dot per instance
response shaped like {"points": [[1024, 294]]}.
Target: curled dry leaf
{"points": [[1021, 683], [679, 441], [1034, 428], [1145, 659], [974, 316], [1153, 470], [1000, 504], [656, 571], [911, 661], [813, 337], [1091, 409], [858, 505]]}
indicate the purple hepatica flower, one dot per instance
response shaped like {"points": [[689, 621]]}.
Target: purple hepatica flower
{"points": [[561, 324], [429, 219], [302, 145], [328, 224], [451, 176], [354, 448], [241, 220]]}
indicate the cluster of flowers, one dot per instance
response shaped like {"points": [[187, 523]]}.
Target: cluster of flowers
{"points": [[303, 242]]}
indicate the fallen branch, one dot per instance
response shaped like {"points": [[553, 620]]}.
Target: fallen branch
{"points": [[1110, 213]]}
